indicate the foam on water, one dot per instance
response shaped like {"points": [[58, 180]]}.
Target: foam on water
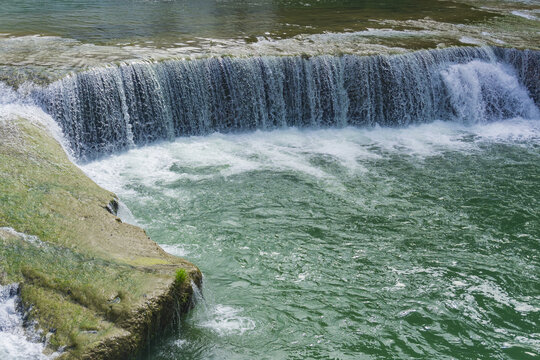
{"points": [[111, 109], [517, 130], [529, 15], [218, 155], [7, 94], [224, 320], [15, 342], [471, 41], [175, 249]]}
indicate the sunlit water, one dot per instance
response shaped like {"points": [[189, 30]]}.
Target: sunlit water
{"points": [[349, 243], [16, 343], [418, 242], [42, 41], [162, 22]]}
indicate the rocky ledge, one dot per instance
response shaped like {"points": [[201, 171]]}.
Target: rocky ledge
{"points": [[93, 286]]}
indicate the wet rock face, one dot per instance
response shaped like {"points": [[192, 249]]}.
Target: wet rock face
{"points": [[112, 207], [103, 286], [156, 316]]}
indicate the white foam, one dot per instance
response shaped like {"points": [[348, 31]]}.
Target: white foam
{"points": [[525, 14], [482, 90], [226, 320], [223, 320], [14, 105], [471, 41], [292, 150], [383, 32], [15, 342], [7, 94], [514, 130], [174, 249], [180, 343], [345, 150], [493, 291]]}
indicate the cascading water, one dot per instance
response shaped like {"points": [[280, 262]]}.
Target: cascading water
{"points": [[344, 201], [374, 242], [105, 110], [483, 91], [15, 342]]}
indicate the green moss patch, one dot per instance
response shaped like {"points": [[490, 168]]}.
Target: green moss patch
{"points": [[86, 277]]}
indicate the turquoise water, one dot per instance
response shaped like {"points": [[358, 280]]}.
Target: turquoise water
{"points": [[350, 243], [420, 242]]}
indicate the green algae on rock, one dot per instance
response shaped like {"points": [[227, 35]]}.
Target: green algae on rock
{"points": [[100, 287]]}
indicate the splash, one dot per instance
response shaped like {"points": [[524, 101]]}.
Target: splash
{"points": [[112, 109], [16, 343]]}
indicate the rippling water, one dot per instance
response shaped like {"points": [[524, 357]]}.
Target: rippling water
{"points": [[41, 43], [375, 243], [168, 22], [420, 242]]}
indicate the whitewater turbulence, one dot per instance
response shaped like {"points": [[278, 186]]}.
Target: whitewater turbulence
{"points": [[14, 340], [105, 110]]}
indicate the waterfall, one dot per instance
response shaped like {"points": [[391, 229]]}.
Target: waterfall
{"points": [[105, 110], [483, 91]]}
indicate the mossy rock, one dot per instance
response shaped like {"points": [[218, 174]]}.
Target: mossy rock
{"points": [[101, 286]]}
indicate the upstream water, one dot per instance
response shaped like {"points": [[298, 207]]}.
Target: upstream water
{"points": [[41, 43]]}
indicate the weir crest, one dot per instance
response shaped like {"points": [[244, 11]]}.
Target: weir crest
{"points": [[110, 109]]}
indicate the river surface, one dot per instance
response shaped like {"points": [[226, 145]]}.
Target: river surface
{"points": [[348, 243], [368, 242], [41, 41]]}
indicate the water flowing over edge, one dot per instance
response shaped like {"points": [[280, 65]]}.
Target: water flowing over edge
{"points": [[110, 109], [470, 82], [19, 338], [15, 341]]}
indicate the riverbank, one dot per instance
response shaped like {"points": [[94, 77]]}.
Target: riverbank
{"points": [[98, 288]]}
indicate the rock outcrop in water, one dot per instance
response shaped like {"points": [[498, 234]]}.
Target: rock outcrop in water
{"points": [[109, 109], [100, 288]]}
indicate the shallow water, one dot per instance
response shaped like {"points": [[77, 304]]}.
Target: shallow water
{"points": [[419, 242], [43, 43], [169, 22]]}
